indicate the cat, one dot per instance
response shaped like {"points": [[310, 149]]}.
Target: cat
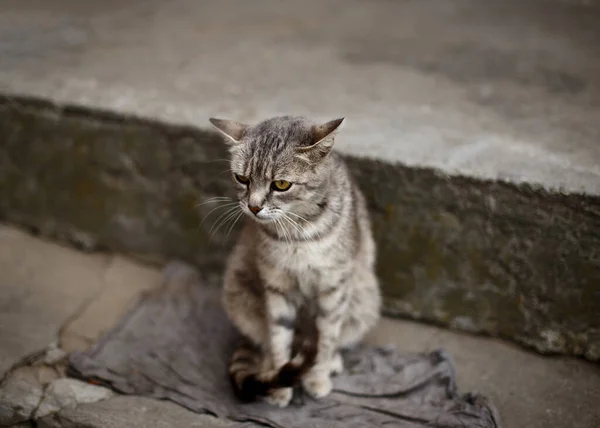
{"points": [[303, 264]]}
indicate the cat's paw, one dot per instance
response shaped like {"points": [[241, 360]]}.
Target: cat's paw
{"points": [[336, 366], [280, 397], [317, 384]]}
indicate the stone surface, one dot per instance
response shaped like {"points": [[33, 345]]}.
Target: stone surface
{"points": [[24, 389], [125, 281], [486, 256], [130, 412], [20, 394], [36, 299], [529, 391], [67, 393], [493, 89], [33, 394], [490, 257], [75, 303]]}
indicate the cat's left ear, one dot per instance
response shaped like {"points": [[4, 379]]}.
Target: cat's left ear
{"points": [[323, 137], [234, 131]]}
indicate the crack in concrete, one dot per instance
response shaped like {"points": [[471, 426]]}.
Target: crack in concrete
{"points": [[31, 419], [84, 306], [36, 408], [55, 407], [27, 360]]}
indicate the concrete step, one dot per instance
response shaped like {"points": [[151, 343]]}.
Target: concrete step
{"points": [[498, 90], [57, 296], [473, 128]]}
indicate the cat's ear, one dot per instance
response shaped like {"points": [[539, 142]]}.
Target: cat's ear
{"points": [[234, 131], [322, 139], [324, 132]]}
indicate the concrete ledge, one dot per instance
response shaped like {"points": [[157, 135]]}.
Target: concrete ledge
{"points": [[488, 89], [508, 260]]}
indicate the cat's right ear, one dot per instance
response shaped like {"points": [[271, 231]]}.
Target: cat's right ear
{"points": [[234, 131], [321, 142]]}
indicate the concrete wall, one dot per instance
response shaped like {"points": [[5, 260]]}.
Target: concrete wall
{"points": [[484, 256]]}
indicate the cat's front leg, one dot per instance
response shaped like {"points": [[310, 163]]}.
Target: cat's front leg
{"points": [[332, 304], [281, 317]]}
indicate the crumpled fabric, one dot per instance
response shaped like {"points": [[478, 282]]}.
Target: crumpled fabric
{"points": [[176, 342]]}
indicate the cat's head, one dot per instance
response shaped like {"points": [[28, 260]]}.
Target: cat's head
{"points": [[279, 166]]}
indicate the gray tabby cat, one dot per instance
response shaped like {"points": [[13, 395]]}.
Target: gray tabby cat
{"points": [[305, 257]]}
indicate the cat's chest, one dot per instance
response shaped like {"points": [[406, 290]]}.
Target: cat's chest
{"points": [[301, 259], [308, 265]]}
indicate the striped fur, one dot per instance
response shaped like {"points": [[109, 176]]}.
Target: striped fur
{"points": [[249, 382], [304, 260]]}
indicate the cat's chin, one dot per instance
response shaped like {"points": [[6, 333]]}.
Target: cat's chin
{"points": [[263, 220]]}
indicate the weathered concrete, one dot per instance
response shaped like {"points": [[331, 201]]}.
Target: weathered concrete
{"points": [[492, 89], [529, 390], [75, 303], [31, 285], [67, 393], [125, 281], [35, 390], [36, 394], [131, 412], [484, 256], [495, 90], [21, 392]]}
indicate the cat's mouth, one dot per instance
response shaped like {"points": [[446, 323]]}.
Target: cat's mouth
{"points": [[263, 216]]}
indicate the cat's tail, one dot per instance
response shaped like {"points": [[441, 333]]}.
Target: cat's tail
{"points": [[250, 383]]}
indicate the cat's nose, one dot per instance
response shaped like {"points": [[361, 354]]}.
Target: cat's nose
{"points": [[255, 210]]}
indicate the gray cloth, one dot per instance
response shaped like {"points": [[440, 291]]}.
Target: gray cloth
{"points": [[176, 342]]}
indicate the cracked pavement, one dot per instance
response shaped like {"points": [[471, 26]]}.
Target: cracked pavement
{"points": [[54, 300]]}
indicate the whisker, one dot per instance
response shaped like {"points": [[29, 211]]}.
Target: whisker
{"points": [[221, 217], [213, 200], [233, 224], [285, 236], [218, 160], [299, 229], [277, 226], [232, 218], [288, 234], [283, 217], [306, 221], [287, 230], [218, 197], [307, 235], [216, 208], [297, 215], [223, 220]]}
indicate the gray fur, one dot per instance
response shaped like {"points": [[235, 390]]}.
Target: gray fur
{"points": [[308, 250]]}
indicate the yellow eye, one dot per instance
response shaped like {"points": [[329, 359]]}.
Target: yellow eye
{"points": [[281, 185], [242, 179]]}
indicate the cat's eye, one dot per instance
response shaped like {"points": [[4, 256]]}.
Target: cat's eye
{"points": [[242, 179], [281, 185]]}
